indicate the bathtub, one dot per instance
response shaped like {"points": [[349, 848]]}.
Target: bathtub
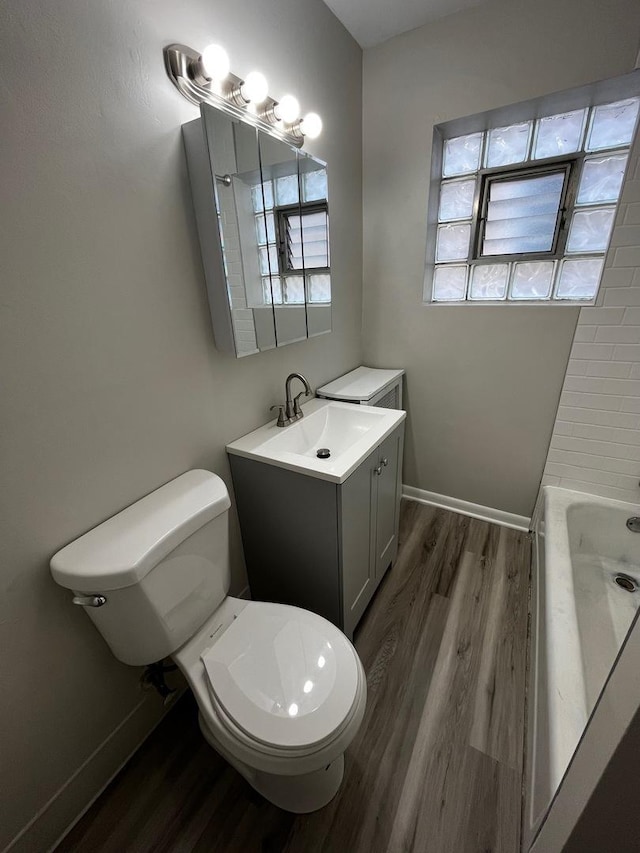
{"points": [[580, 616]]}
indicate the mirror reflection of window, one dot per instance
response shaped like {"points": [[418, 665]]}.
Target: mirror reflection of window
{"points": [[265, 240]]}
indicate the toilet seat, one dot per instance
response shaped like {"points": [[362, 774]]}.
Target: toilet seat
{"points": [[247, 754], [282, 679]]}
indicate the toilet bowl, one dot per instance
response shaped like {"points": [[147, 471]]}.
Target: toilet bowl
{"points": [[283, 697], [281, 691]]}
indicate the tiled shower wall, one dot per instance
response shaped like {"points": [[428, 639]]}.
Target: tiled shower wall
{"points": [[595, 445]]}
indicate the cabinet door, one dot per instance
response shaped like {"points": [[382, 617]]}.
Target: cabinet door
{"points": [[387, 502], [357, 520]]}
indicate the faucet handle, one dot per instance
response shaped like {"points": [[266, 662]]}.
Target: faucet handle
{"points": [[297, 411], [282, 419]]}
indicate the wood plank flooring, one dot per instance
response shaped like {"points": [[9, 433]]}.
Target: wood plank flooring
{"points": [[437, 764]]}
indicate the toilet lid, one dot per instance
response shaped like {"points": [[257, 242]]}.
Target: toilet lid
{"points": [[285, 676]]}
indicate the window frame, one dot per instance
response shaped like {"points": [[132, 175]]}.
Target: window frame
{"points": [[571, 164]]}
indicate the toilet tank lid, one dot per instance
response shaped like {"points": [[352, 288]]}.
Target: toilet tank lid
{"points": [[122, 550]]}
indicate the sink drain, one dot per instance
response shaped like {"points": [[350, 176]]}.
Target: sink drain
{"points": [[323, 453], [625, 582]]}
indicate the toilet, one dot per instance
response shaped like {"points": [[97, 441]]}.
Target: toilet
{"points": [[281, 691]]}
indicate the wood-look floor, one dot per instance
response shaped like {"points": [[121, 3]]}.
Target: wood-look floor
{"points": [[437, 764]]}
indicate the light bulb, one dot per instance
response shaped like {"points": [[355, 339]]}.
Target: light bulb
{"points": [[255, 88], [311, 125], [287, 109], [215, 63]]}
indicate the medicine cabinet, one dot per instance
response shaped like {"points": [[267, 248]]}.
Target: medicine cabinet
{"points": [[262, 215]]}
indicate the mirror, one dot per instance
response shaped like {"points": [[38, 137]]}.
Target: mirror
{"points": [[263, 223]]}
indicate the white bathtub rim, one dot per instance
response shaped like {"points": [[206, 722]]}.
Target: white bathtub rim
{"points": [[567, 695]]}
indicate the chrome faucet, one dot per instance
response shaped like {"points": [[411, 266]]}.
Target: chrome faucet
{"points": [[291, 411]]}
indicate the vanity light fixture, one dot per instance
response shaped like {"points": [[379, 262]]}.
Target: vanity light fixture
{"points": [[215, 63], [255, 89], [311, 125], [206, 78], [287, 109]]}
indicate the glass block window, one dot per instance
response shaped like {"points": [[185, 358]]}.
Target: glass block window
{"points": [[294, 290], [295, 209], [319, 288], [525, 211], [314, 185]]}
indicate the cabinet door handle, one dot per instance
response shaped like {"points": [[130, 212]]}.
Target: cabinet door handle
{"points": [[378, 470], [384, 461]]}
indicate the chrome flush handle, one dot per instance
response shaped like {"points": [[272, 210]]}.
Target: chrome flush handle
{"points": [[89, 600]]}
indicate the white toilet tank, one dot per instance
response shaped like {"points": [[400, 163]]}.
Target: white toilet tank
{"points": [[162, 564]]}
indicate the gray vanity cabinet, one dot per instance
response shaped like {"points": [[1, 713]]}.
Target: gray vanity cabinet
{"points": [[320, 545]]}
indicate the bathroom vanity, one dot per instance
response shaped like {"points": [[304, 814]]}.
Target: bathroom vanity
{"points": [[321, 533]]}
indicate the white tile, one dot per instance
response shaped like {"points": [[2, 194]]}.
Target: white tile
{"points": [[585, 334], [626, 352], [611, 369], [630, 404], [631, 191], [548, 480], [631, 316], [597, 463], [618, 335], [635, 370], [575, 415], [626, 235], [604, 433], [617, 277], [600, 385], [632, 215], [579, 368], [601, 316], [243, 314], [563, 428], [630, 483], [588, 475], [591, 401], [598, 489], [632, 452], [244, 325], [622, 295], [587, 445], [627, 256], [599, 352]]}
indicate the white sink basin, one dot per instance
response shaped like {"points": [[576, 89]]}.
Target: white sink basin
{"points": [[348, 431]]}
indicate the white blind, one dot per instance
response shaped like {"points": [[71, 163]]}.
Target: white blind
{"points": [[522, 214], [308, 240]]}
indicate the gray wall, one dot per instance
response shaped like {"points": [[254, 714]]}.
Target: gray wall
{"points": [[111, 384], [482, 382]]}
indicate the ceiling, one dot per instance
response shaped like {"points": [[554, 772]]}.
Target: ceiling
{"points": [[373, 21]]}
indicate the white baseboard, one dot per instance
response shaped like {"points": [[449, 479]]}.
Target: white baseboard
{"points": [[485, 513], [54, 820]]}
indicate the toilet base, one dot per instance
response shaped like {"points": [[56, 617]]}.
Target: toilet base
{"points": [[301, 794], [298, 794]]}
